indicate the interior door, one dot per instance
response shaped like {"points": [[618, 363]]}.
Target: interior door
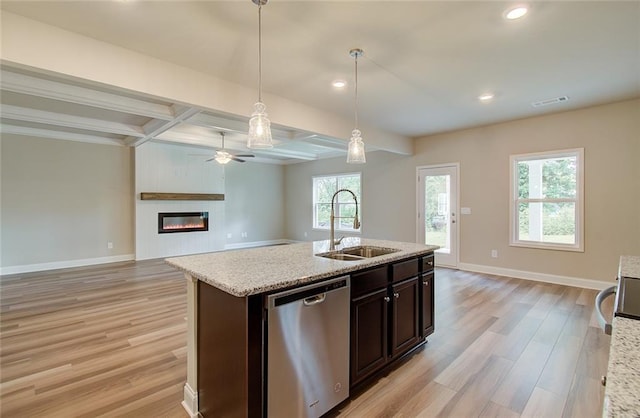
{"points": [[437, 222]]}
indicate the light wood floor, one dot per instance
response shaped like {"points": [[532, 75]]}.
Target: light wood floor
{"points": [[110, 341]]}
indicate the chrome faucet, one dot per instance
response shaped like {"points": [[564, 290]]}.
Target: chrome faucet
{"points": [[356, 222]]}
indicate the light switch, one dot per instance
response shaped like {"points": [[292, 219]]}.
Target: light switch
{"points": [[465, 211]]}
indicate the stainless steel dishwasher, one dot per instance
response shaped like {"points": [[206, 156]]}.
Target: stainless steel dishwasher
{"points": [[308, 349]]}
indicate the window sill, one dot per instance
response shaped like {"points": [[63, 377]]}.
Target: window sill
{"points": [[547, 246]]}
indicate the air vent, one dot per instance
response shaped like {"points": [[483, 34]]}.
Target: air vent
{"points": [[550, 101]]}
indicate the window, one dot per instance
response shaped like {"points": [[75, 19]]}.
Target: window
{"points": [[547, 200], [323, 189]]}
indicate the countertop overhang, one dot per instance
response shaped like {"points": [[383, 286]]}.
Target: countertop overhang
{"points": [[258, 270], [622, 392]]}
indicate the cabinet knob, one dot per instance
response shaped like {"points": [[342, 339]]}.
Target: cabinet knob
{"points": [[603, 380], [387, 299], [396, 295], [426, 283]]}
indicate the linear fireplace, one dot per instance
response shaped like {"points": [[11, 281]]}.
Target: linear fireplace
{"points": [[169, 222]]}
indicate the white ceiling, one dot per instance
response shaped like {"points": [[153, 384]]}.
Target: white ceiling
{"points": [[425, 64]]}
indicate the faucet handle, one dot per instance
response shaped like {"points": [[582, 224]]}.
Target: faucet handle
{"points": [[338, 241]]}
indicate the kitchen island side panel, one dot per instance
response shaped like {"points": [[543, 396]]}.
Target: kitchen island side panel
{"points": [[229, 354]]}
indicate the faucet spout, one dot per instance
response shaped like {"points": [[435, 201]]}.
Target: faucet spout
{"points": [[356, 221]]}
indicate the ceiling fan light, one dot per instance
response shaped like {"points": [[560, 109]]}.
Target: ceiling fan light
{"points": [[259, 128], [355, 153], [222, 157]]}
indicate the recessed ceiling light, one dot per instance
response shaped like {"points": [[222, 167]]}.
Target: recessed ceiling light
{"points": [[486, 97], [515, 12], [339, 84]]}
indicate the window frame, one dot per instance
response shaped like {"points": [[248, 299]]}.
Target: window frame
{"points": [[337, 207], [514, 200]]}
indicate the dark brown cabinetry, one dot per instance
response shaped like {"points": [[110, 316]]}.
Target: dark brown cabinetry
{"points": [[427, 304], [391, 313], [405, 328]]}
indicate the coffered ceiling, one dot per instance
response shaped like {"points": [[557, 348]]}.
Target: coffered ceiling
{"points": [[425, 64]]}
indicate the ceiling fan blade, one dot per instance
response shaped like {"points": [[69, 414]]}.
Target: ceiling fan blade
{"points": [[237, 159], [245, 155]]}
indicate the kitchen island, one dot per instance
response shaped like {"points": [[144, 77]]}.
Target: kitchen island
{"points": [[226, 312], [622, 390]]}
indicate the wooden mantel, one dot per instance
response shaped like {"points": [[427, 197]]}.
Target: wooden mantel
{"points": [[181, 196]]}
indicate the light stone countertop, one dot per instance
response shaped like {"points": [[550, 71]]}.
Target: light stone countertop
{"points": [[258, 270], [629, 266], [622, 392]]}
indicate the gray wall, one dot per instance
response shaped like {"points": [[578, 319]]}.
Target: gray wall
{"points": [[64, 200], [610, 135], [387, 188], [254, 202]]}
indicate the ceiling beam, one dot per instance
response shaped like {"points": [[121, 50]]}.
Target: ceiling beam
{"points": [[7, 128], [60, 119], [156, 127], [24, 84]]}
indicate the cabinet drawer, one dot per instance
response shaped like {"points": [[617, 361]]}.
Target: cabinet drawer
{"points": [[368, 281], [404, 270], [427, 263]]}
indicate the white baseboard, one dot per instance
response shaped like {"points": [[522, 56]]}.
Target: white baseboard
{"points": [[257, 244], [190, 402], [538, 277], [28, 268]]}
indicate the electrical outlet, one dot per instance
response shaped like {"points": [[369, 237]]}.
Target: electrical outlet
{"points": [[110, 245], [494, 253], [229, 235], [305, 234], [244, 235]]}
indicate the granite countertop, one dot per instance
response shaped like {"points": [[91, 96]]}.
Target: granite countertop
{"points": [[258, 270], [629, 266], [622, 393]]}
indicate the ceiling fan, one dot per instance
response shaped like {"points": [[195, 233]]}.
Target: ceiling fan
{"points": [[223, 157]]}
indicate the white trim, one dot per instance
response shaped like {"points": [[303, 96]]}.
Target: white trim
{"points": [[457, 208], [27, 268], [190, 402], [537, 277], [514, 240], [256, 244]]}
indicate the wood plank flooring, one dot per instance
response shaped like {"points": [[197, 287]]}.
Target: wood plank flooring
{"points": [[111, 341]]}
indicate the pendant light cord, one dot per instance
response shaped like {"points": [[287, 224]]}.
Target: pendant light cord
{"points": [[260, 53], [356, 95]]}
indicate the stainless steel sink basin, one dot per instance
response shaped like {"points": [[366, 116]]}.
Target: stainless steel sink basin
{"points": [[368, 251], [341, 256], [358, 253]]}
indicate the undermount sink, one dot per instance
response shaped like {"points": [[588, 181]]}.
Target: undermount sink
{"points": [[358, 253]]}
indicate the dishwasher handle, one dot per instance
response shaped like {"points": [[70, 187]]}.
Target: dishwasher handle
{"points": [[314, 300], [600, 297]]}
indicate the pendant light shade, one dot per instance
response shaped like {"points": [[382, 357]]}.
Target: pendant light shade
{"points": [[355, 152], [259, 125]]}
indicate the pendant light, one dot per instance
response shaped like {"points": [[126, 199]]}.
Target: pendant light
{"points": [[259, 124], [355, 153]]}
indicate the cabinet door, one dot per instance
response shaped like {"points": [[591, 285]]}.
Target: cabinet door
{"points": [[368, 334], [427, 304], [405, 318]]}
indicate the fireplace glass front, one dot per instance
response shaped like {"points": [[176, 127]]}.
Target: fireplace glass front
{"points": [[169, 222]]}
